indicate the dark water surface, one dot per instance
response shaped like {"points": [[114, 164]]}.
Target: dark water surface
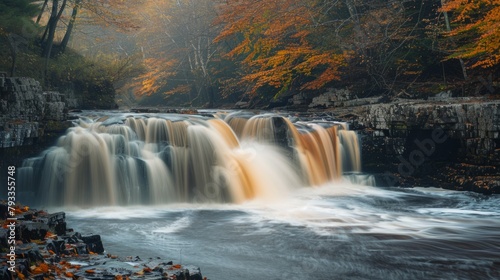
{"points": [[339, 231]]}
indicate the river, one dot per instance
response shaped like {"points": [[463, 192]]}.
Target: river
{"points": [[247, 196], [338, 231]]}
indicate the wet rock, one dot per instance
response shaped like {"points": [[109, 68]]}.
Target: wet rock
{"points": [[30, 251], [452, 144], [5, 273], [4, 235], [56, 218], [74, 256], [337, 98], [60, 228], [56, 246], [333, 97], [194, 273], [23, 265], [94, 243], [241, 105], [3, 211], [144, 110], [33, 230], [24, 110]]}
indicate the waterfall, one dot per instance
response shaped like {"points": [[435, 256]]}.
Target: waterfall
{"points": [[136, 160]]}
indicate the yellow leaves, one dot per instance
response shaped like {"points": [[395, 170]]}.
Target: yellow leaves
{"points": [[41, 269], [157, 71], [50, 235], [112, 256], [479, 22], [175, 266], [184, 88], [329, 62], [19, 210], [177, 46], [20, 275], [241, 48], [276, 43]]}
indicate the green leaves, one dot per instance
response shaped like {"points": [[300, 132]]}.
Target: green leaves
{"points": [[16, 15]]}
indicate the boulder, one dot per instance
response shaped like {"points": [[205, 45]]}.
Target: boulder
{"points": [[33, 231], [94, 243]]}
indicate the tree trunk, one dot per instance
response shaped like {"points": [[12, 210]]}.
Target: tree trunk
{"points": [[51, 30], [351, 7], [54, 18], [210, 96], [67, 35], [448, 28], [41, 11]]}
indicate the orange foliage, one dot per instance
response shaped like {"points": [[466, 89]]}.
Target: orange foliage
{"points": [[273, 42], [42, 268], [177, 45], [20, 275], [478, 20], [156, 74]]}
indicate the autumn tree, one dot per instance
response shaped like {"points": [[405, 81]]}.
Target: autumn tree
{"points": [[178, 48], [274, 41], [390, 42], [475, 24]]}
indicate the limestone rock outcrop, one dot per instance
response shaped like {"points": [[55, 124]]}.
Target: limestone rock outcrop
{"points": [[26, 111], [452, 144]]}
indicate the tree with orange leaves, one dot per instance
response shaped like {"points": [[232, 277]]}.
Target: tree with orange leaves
{"points": [[476, 24], [274, 42], [178, 48]]}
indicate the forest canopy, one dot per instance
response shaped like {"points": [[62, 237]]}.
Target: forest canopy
{"points": [[208, 50]]}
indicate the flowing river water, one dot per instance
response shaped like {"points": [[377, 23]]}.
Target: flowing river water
{"points": [[258, 197], [338, 231]]}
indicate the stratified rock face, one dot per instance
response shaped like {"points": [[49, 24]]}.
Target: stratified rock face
{"points": [[55, 106], [340, 98], [443, 145], [23, 110]]}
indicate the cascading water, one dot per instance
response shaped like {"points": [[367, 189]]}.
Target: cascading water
{"points": [[151, 165], [131, 160]]}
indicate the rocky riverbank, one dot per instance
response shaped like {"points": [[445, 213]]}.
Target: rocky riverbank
{"points": [[37, 245], [452, 143], [30, 120], [27, 112]]}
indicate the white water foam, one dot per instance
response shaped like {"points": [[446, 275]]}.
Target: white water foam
{"points": [[176, 226]]}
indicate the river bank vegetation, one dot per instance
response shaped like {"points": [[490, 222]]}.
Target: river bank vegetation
{"points": [[208, 52]]}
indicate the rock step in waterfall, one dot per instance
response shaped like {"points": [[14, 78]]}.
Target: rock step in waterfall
{"points": [[130, 160]]}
